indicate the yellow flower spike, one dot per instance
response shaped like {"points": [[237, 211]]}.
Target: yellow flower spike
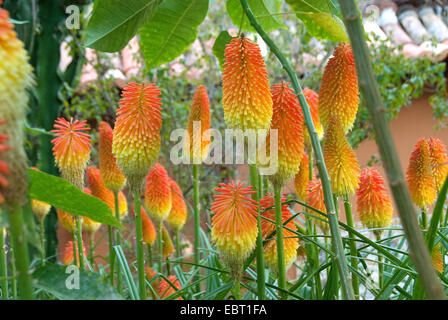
{"points": [[439, 161], [234, 224], [247, 100], [339, 93], [373, 203], [136, 137], [288, 121], [290, 240], [89, 225], [67, 220], [71, 149], [315, 198], [15, 72], [199, 142], [100, 191], [302, 178], [342, 165], [68, 257], [111, 174], [419, 177], [158, 200], [178, 214], [313, 101], [168, 246], [15, 79]]}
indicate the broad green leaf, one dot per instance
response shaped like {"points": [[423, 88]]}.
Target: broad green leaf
{"points": [[172, 30], [266, 12], [219, 46], [114, 23], [63, 195], [321, 19], [57, 280]]}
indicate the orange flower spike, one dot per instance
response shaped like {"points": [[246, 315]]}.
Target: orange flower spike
{"points": [[247, 99], [302, 178], [100, 191], [419, 177], [149, 231], [4, 169], [234, 224], [111, 174], [288, 120], [158, 200], [199, 139], [168, 246], [68, 257], [313, 101], [39, 208], [437, 258], [315, 198], [67, 220], [373, 203], [339, 93], [71, 149], [178, 214], [342, 165], [439, 160], [136, 137], [290, 241], [165, 288]]}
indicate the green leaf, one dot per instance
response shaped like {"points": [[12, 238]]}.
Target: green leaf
{"points": [[321, 19], [172, 30], [219, 46], [63, 195], [114, 23], [264, 10], [52, 279]]}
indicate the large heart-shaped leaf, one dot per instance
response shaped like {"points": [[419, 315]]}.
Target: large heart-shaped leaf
{"points": [[63, 195], [321, 19], [172, 30], [114, 23], [62, 282], [266, 12]]}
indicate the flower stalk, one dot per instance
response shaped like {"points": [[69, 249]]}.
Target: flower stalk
{"points": [[352, 243], [196, 213], [139, 242], [279, 236], [383, 136], [3, 264]]}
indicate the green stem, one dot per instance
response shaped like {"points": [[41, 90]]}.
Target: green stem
{"points": [[75, 250], [261, 287], [117, 237], [336, 238], [13, 272], [139, 242], [280, 244], [42, 239], [196, 215], [237, 289], [20, 245], [424, 218], [352, 243], [3, 264], [160, 246], [380, 263], [79, 238], [91, 251], [111, 255], [391, 163], [177, 234], [149, 248]]}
